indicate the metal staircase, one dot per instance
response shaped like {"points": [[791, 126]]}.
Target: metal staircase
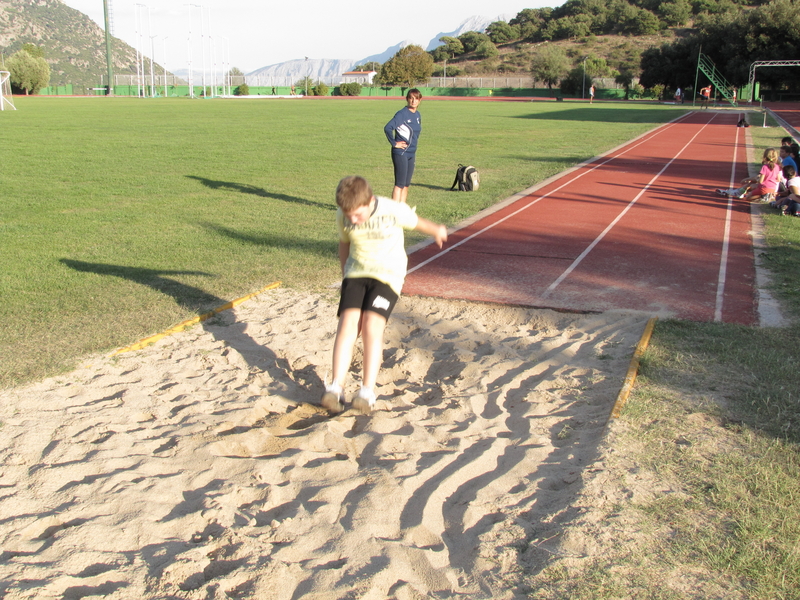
{"points": [[721, 84]]}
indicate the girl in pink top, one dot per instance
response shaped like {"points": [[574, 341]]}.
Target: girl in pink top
{"points": [[765, 184], [768, 178]]}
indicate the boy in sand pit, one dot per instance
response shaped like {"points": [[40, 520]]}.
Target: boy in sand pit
{"points": [[373, 258]]}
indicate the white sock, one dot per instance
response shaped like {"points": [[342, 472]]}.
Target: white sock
{"points": [[367, 393], [333, 388]]}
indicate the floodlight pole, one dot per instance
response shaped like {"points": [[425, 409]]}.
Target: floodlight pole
{"points": [[152, 72], [214, 73], [696, 76], [189, 43], [226, 75], [110, 87], [307, 76], [152, 54], [212, 55], [138, 59], [164, 42], [203, 47], [583, 90], [140, 43]]}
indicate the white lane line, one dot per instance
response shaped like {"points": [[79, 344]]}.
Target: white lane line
{"points": [[611, 225], [726, 238], [529, 204]]}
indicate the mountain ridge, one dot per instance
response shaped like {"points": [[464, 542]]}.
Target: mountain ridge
{"points": [[331, 67], [74, 46]]}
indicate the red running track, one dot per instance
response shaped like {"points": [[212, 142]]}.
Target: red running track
{"points": [[639, 228], [788, 111]]}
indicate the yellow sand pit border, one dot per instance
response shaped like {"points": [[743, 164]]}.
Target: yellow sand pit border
{"points": [[193, 321], [633, 368]]}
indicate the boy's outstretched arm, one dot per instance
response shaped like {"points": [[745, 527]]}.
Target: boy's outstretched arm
{"points": [[438, 232], [344, 252]]}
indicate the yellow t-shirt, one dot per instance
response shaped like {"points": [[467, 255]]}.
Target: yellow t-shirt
{"points": [[377, 246]]}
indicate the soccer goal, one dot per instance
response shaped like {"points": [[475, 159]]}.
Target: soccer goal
{"points": [[5, 91]]}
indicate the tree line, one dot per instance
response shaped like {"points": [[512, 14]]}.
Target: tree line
{"points": [[733, 41], [733, 33]]}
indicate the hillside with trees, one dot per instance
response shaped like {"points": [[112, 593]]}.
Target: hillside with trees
{"points": [[634, 43], [70, 42]]}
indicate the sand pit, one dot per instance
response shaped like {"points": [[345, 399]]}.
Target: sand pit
{"points": [[200, 467]]}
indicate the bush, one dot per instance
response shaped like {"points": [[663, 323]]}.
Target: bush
{"points": [[658, 91], [350, 89], [242, 90], [29, 73], [320, 89], [486, 49], [451, 72], [575, 83]]}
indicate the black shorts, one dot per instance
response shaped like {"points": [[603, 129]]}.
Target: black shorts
{"points": [[366, 294]]}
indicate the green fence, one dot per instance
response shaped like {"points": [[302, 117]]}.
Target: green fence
{"points": [[182, 91], [57, 90]]}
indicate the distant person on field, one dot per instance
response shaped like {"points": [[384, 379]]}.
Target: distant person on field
{"points": [[591, 94], [373, 259], [274, 93], [765, 184], [705, 93], [403, 133], [678, 96]]}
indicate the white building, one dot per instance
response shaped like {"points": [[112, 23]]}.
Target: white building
{"points": [[362, 77]]}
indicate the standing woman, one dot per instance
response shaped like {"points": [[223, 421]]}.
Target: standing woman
{"points": [[403, 133]]}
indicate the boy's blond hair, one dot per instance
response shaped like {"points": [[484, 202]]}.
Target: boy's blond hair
{"points": [[353, 192], [770, 158]]}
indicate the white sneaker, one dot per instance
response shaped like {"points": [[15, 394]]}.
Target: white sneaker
{"points": [[364, 401], [333, 399]]}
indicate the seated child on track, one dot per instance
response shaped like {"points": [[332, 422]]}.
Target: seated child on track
{"points": [[788, 201], [764, 185]]}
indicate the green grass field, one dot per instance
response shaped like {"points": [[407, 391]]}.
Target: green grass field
{"points": [[121, 217]]}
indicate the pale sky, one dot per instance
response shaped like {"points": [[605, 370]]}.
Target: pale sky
{"points": [[250, 34]]}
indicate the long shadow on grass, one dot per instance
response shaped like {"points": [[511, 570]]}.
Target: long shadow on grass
{"points": [[604, 115], [224, 329], [323, 248], [246, 188], [433, 187]]}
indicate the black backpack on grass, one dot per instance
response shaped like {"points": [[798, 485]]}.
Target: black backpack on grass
{"points": [[467, 179]]}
